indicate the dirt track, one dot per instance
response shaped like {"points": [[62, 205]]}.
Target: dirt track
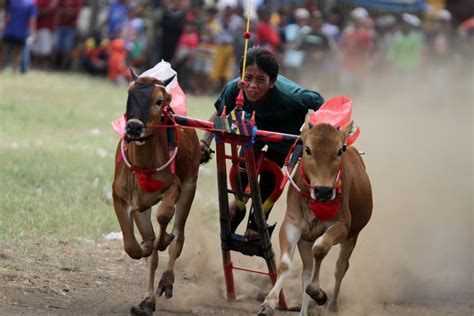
{"points": [[414, 258]]}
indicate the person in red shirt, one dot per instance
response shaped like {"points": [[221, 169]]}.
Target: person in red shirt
{"points": [[267, 35], [67, 14], [187, 44], [46, 24]]}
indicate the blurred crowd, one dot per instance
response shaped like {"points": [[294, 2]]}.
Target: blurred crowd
{"points": [[330, 48]]}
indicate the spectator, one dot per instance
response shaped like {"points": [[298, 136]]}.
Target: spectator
{"points": [[405, 50], [442, 49], [317, 49], [188, 43], [355, 47], [229, 25], [294, 33], [87, 53], [385, 31], [466, 33], [118, 71], [332, 24], [205, 54], [285, 18], [94, 57], [42, 47], [20, 26], [266, 35], [172, 24], [203, 59], [134, 35], [117, 17], [443, 36], [299, 28], [68, 12], [211, 25]]}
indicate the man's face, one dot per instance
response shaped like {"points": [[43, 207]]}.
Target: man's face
{"points": [[258, 83]]}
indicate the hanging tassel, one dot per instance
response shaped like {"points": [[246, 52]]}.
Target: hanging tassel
{"points": [[148, 184], [325, 211]]}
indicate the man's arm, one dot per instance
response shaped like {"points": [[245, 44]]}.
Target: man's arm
{"points": [[310, 99], [207, 137], [206, 140]]}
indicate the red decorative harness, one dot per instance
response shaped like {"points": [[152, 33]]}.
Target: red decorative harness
{"points": [[324, 211]]}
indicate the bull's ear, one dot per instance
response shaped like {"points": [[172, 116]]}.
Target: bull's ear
{"points": [[133, 73], [305, 128], [350, 129], [166, 82]]}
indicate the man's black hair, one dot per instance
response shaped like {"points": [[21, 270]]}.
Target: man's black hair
{"points": [[264, 60]]}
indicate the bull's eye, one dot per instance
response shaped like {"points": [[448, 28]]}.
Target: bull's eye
{"points": [[159, 102], [307, 150]]}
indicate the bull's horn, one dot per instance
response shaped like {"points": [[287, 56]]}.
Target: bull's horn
{"points": [[134, 74], [168, 81]]}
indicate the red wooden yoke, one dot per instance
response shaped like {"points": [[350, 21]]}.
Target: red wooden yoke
{"points": [[236, 132]]}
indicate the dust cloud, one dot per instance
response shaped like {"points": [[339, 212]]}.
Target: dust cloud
{"points": [[416, 255]]}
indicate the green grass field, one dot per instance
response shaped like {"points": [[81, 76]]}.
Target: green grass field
{"points": [[57, 154]]}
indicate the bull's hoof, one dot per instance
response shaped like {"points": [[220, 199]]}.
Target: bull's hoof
{"points": [[163, 243], [265, 310], [134, 251], [145, 308], [318, 295], [166, 284]]}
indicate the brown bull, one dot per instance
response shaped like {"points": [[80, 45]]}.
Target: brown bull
{"points": [[333, 206], [144, 176]]}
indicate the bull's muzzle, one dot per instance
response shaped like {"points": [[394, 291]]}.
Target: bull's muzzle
{"points": [[134, 129], [323, 194]]}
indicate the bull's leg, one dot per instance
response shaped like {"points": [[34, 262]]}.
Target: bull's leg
{"points": [[164, 214], [332, 236], [147, 305], [183, 207], [342, 265], [304, 248], [289, 236], [143, 222], [130, 244]]}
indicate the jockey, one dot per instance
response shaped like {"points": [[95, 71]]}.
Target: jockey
{"points": [[280, 105]]}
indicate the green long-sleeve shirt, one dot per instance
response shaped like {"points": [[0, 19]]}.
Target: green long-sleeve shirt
{"points": [[283, 111], [405, 51]]}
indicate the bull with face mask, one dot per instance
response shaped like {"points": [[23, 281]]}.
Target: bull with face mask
{"points": [[157, 161]]}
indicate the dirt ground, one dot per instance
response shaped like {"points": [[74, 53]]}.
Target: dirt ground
{"points": [[414, 258]]}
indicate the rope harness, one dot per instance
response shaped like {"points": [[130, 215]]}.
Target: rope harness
{"points": [[324, 211], [144, 176]]}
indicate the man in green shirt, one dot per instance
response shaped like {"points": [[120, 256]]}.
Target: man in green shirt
{"points": [[280, 105], [406, 48]]}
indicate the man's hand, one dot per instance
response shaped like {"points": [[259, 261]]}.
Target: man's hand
{"points": [[206, 152]]}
